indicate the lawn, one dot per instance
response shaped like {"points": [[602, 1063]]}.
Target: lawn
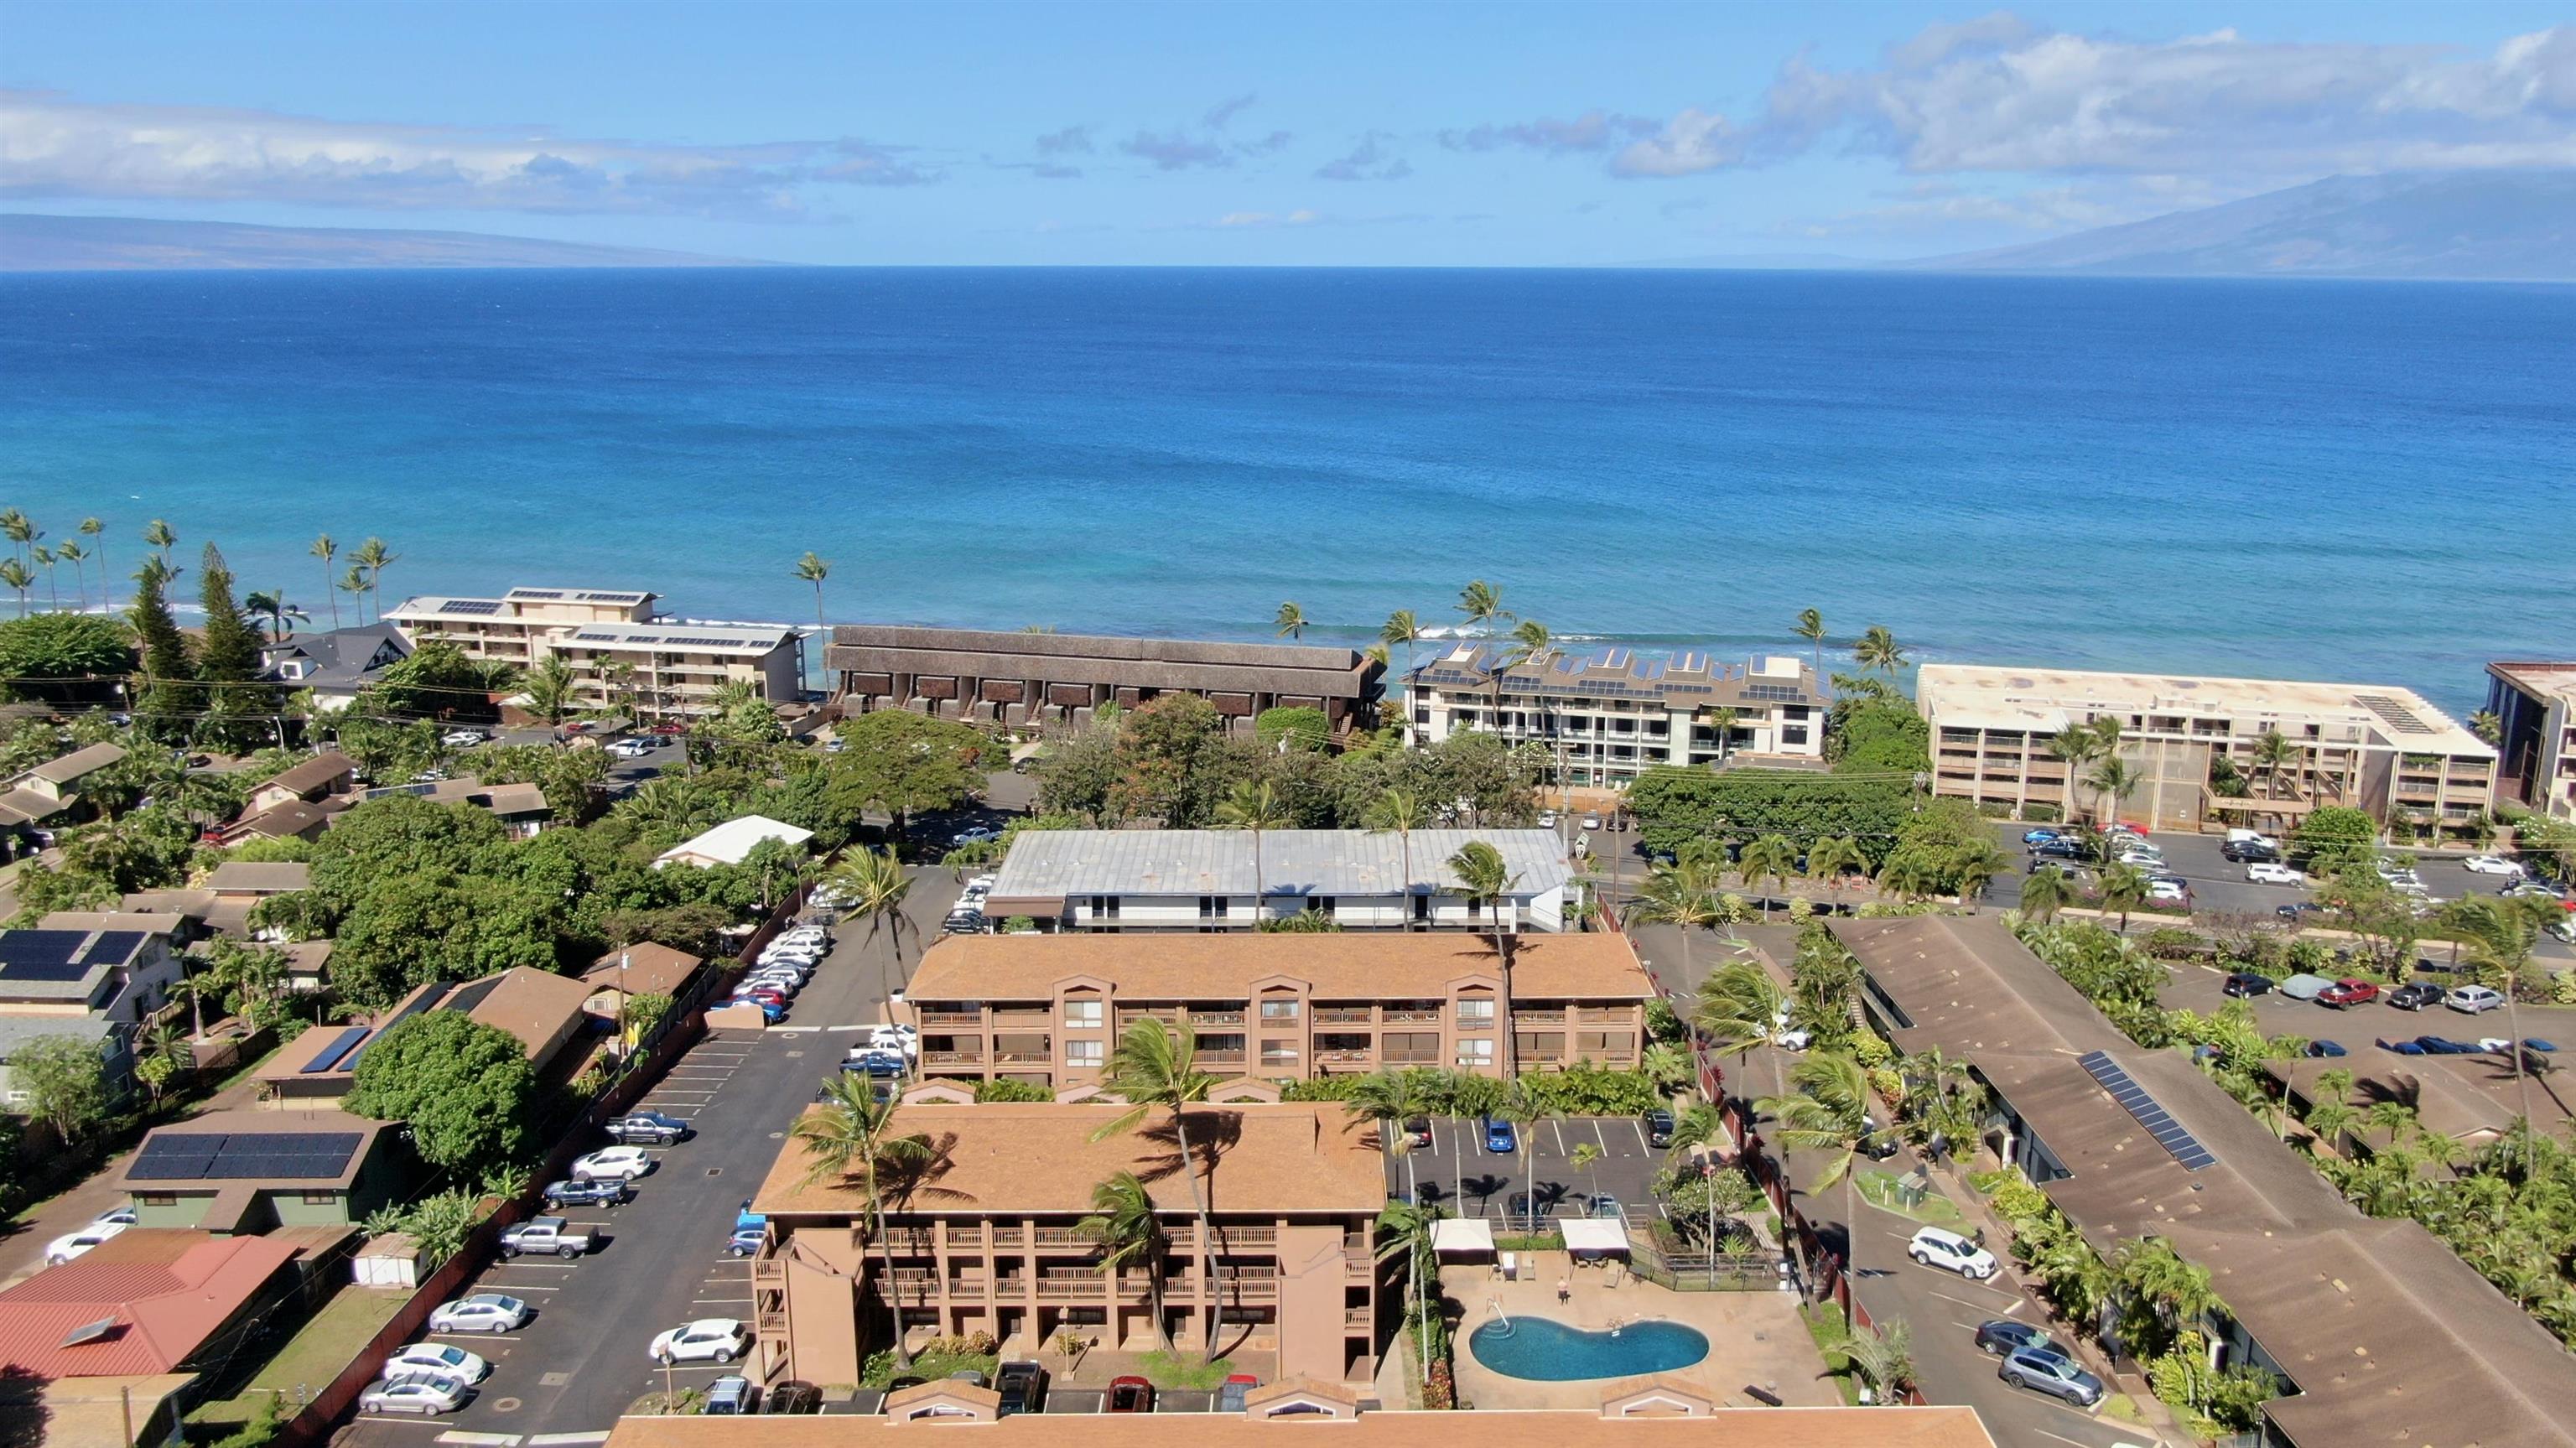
{"points": [[1935, 1209], [313, 1357], [1177, 1371], [1825, 1324]]}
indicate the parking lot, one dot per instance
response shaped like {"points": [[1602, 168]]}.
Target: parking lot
{"points": [[1457, 1173]]}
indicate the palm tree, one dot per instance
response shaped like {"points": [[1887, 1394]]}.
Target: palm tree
{"points": [[326, 549], [1878, 649], [1531, 644], [354, 584], [2275, 756], [549, 687], [2044, 893], [874, 884], [1678, 895], [160, 535], [1403, 811], [1391, 1098], [1975, 866], [852, 1134], [1156, 1066], [1129, 1233], [1402, 630], [1827, 1109], [279, 613], [1291, 622], [814, 570], [45, 556], [1586, 1158], [2124, 888], [1738, 1008], [2502, 934], [72, 553], [96, 532], [1484, 879], [1254, 806], [1407, 1228], [2114, 779], [1884, 1354], [373, 556], [1721, 722], [1482, 603], [1829, 857], [1907, 876], [20, 533], [1771, 857], [1811, 627], [1524, 1108], [2487, 726], [15, 577]]}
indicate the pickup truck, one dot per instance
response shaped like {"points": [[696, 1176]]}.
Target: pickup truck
{"points": [[647, 1128], [540, 1236]]}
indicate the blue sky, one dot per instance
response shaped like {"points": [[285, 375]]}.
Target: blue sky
{"points": [[1535, 134]]}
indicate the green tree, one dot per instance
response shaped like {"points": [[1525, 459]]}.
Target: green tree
{"points": [[65, 1081], [1975, 866], [1155, 1068], [853, 1134], [2044, 892], [2334, 837], [237, 706], [1674, 806], [1130, 1234], [1403, 631], [1878, 649], [1291, 621], [1811, 627], [1486, 881], [905, 763], [373, 556], [282, 616], [1254, 806], [1402, 811], [1769, 857], [160, 537], [15, 577], [2124, 888], [874, 884], [62, 657], [1682, 895], [168, 701], [1522, 1106], [814, 570], [1301, 727], [463, 1088], [2112, 782], [549, 688], [1826, 1110]]}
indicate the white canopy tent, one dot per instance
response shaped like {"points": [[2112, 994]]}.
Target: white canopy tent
{"points": [[1593, 1234], [1461, 1236]]}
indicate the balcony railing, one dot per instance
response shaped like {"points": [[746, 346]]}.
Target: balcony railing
{"points": [[1023, 1058], [1341, 1055], [1216, 1018], [1411, 1058], [932, 1020], [1011, 1236], [1358, 1317], [1022, 1020], [952, 1058], [1539, 1018], [1221, 1058], [1409, 1016], [1344, 1015], [1599, 1016]]}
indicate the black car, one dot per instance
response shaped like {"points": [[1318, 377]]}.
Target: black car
{"points": [[794, 1396], [2060, 849], [2445, 1046], [1417, 1131], [2247, 852], [608, 1193], [2415, 995], [647, 1128], [1658, 1124], [2002, 1337], [2245, 984], [2298, 912], [1022, 1385]]}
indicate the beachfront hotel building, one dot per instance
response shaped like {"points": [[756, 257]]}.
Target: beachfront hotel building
{"points": [[983, 1239], [1217, 880], [2377, 748], [625, 658], [1280, 1007], [2535, 708], [1604, 718], [1049, 680]]}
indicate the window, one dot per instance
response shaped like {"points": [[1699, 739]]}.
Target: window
{"points": [[1104, 907], [1082, 1053], [156, 1199], [321, 1199], [1476, 1053], [1083, 1012], [1279, 1010], [1793, 734], [1475, 1011], [1212, 907], [1278, 1053]]}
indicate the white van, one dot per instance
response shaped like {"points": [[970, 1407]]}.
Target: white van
{"points": [[2252, 837]]}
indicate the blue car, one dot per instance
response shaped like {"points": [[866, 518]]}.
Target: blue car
{"points": [[2325, 1048], [2444, 1046], [2038, 837], [770, 1011], [875, 1063], [1498, 1136], [2403, 1048]]}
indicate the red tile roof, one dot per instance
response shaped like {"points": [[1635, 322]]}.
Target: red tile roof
{"points": [[167, 1290]]}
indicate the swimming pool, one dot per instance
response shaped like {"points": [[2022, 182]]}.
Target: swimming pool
{"points": [[1551, 1352]]}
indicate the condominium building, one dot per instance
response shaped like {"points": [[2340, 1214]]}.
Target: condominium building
{"points": [[1606, 717], [1045, 680], [983, 1238], [2376, 748], [625, 657], [2535, 709], [1141, 880], [1279, 1006]]}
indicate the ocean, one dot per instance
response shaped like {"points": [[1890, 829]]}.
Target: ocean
{"points": [[2368, 481]]}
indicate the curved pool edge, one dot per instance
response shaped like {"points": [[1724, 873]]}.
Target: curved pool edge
{"points": [[1632, 1349]]}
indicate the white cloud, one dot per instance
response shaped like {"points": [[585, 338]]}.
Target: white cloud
{"points": [[1594, 130], [1690, 142], [51, 146], [1370, 159]]}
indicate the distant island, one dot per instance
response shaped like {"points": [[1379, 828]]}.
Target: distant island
{"points": [[30, 243]]}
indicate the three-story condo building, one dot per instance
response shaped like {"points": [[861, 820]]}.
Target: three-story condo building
{"points": [[624, 656], [1606, 717]]}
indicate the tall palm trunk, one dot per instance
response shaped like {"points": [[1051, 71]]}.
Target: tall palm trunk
{"points": [[2521, 1083], [1207, 1242], [331, 594], [885, 1264]]}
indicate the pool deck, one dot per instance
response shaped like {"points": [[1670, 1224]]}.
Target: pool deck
{"points": [[1755, 1339]]}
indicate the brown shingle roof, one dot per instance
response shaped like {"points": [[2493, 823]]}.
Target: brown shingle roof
{"points": [[1039, 1157], [651, 969], [531, 1004], [79, 762], [1735, 1427], [1365, 965], [312, 774]]}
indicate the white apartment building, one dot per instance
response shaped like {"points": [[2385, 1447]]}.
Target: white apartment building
{"points": [[625, 657], [1606, 717], [2377, 748]]}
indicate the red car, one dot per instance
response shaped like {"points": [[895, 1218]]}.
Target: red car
{"points": [[2348, 992], [764, 993], [1130, 1395], [668, 729]]}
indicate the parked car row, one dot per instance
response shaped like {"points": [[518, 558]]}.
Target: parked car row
{"points": [[781, 970], [2352, 991]]}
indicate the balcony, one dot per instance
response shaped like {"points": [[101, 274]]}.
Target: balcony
{"points": [[1343, 1056], [1168, 1015], [965, 1235], [1358, 1317], [1410, 1058], [1217, 1018], [1539, 1018], [952, 1058], [1062, 1237], [1220, 1058], [1344, 1015], [1604, 1016], [1023, 1020], [970, 1020], [1413, 1015], [1023, 1058], [1009, 1237]]}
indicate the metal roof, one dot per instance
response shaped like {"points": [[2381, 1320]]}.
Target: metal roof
{"points": [[1050, 863]]}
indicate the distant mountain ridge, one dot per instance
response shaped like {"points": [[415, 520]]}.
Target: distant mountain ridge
{"points": [[127, 243], [2448, 226]]}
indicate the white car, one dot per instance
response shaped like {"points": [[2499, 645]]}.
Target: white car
{"points": [[435, 1357], [894, 1038], [482, 1312], [463, 738], [1592, 822], [631, 748], [622, 1163], [2490, 865], [72, 1244], [2169, 890], [2267, 872], [2473, 999], [709, 1339], [428, 1394], [974, 835], [1951, 1252]]}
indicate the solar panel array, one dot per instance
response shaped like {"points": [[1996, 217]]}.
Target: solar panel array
{"points": [[536, 593], [62, 955], [218, 1156], [330, 1057], [2399, 717], [1777, 693], [2169, 1133], [471, 605]]}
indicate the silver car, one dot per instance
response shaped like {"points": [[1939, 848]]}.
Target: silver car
{"points": [[2052, 1373], [427, 1394]]}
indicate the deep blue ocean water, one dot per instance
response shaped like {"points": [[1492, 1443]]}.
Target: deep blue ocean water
{"points": [[2359, 480]]}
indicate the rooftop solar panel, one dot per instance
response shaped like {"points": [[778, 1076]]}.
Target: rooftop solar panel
{"points": [[471, 605], [2159, 1123], [216, 1156], [536, 593], [45, 955], [332, 1053]]}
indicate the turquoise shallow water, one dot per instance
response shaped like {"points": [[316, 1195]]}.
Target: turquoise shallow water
{"points": [[1534, 1347], [2314, 479]]}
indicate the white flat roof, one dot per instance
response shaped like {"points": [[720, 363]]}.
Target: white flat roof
{"points": [[1052, 864], [732, 841], [688, 637], [1972, 695]]}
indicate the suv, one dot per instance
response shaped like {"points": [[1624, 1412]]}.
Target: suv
{"points": [[2415, 995], [1658, 1126], [2248, 852], [1022, 1385], [1933, 1247], [2348, 992], [731, 1395], [2245, 984], [794, 1396], [2053, 1373], [650, 1128], [2472, 999]]}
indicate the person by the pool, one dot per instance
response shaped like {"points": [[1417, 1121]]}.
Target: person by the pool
{"points": [[1564, 1289]]}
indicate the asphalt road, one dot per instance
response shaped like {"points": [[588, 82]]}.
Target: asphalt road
{"points": [[582, 1360]]}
